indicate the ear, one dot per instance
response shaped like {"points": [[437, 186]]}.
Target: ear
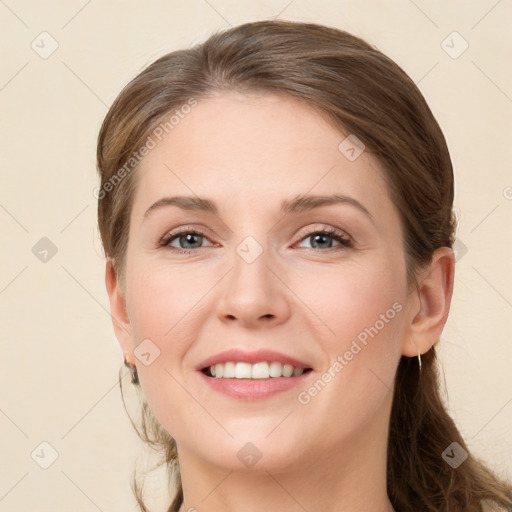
{"points": [[118, 312], [430, 303]]}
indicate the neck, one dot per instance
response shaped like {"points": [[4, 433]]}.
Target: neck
{"points": [[349, 479]]}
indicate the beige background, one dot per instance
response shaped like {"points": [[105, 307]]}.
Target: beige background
{"points": [[59, 359]]}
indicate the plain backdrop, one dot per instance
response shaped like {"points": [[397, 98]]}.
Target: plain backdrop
{"points": [[63, 63]]}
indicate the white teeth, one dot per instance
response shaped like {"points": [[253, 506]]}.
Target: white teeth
{"points": [[262, 370], [287, 370], [276, 369], [229, 370], [243, 370]]}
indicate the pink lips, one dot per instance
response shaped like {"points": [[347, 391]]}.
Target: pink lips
{"points": [[250, 389]]}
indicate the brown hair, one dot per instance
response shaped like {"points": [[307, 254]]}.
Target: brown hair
{"points": [[362, 92]]}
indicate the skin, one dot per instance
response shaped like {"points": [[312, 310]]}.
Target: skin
{"points": [[248, 153]]}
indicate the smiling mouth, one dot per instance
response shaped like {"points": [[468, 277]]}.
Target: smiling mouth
{"points": [[261, 370]]}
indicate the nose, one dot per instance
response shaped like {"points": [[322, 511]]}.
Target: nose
{"points": [[254, 293]]}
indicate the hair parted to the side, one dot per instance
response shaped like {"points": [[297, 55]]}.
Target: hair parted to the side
{"points": [[362, 92]]}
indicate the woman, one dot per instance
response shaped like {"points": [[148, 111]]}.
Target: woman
{"points": [[276, 211]]}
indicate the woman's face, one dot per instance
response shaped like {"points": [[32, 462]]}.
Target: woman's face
{"points": [[259, 275]]}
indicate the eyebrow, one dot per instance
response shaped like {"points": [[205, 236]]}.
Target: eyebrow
{"points": [[298, 204]]}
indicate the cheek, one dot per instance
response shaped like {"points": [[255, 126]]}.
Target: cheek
{"points": [[161, 309], [362, 312], [163, 299], [166, 310], [353, 297]]}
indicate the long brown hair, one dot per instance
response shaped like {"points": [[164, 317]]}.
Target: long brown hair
{"points": [[362, 92]]}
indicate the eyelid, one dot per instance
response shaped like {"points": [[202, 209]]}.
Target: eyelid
{"points": [[166, 238], [303, 233]]}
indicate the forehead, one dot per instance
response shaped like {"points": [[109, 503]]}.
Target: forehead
{"points": [[255, 146]]}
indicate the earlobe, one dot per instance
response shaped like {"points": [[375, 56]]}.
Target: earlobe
{"points": [[431, 307], [118, 311]]}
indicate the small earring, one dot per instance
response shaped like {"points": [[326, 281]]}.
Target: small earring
{"points": [[133, 370], [419, 361]]}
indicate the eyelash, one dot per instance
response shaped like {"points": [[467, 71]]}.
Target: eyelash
{"points": [[345, 241]]}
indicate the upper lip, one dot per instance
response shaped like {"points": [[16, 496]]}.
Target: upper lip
{"points": [[237, 355]]}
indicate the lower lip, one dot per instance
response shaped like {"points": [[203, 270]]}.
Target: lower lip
{"points": [[253, 388]]}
